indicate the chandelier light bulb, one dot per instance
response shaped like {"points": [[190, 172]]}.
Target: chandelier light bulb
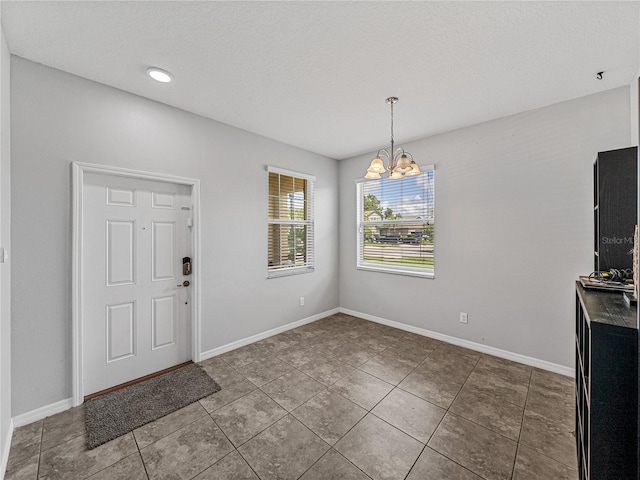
{"points": [[377, 165], [415, 170], [396, 175]]}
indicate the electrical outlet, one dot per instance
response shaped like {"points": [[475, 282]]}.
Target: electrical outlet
{"points": [[464, 317], [302, 301]]}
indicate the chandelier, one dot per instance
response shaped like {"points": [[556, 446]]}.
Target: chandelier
{"points": [[399, 164]]}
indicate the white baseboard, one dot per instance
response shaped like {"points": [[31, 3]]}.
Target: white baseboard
{"points": [[42, 412], [48, 410], [5, 450], [261, 336], [478, 347]]}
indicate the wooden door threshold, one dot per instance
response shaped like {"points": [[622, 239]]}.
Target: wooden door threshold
{"points": [[137, 380]]}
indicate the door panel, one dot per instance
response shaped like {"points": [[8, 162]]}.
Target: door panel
{"points": [[163, 200], [120, 333], [135, 309], [121, 248], [163, 250], [120, 196], [164, 321]]}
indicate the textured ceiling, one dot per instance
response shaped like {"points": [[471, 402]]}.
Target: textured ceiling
{"points": [[315, 74]]}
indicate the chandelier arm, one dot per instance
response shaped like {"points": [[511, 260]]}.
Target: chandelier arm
{"points": [[399, 152], [383, 152]]}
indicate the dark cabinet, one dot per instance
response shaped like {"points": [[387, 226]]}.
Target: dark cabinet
{"points": [[606, 386], [615, 175]]}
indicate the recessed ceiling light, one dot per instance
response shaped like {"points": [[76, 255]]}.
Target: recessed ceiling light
{"points": [[159, 75]]}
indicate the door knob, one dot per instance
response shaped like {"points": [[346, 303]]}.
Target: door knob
{"points": [[186, 283]]}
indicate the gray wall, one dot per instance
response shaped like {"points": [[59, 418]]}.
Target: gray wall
{"points": [[5, 241], [514, 222], [58, 118], [514, 228]]}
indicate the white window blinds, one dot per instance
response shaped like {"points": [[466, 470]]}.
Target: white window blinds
{"points": [[290, 222], [396, 224]]}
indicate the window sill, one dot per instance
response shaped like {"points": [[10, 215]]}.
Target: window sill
{"points": [[286, 272], [408, 273]]}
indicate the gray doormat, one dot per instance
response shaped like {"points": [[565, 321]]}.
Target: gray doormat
{"points": [[114, 414]]}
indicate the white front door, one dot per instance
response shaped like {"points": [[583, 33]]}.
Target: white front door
{"points": [[135, 307]]}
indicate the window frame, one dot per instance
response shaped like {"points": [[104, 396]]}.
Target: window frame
{"points": [[308, 222], [361, 264]]}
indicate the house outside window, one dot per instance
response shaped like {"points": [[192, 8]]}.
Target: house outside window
{"points": [[396, 224], [290, 223]]}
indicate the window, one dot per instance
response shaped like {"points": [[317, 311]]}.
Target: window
{"points": [[290, 223], [396, 224]]}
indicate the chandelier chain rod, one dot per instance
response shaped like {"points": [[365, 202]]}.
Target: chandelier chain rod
{"points": [[391, 154]]}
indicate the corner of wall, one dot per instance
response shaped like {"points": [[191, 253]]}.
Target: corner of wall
{"points": [[634, 109], [6, 424], [6, 447]]}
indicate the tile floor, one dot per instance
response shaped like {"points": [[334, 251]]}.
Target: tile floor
{"points": [[340, 398]]}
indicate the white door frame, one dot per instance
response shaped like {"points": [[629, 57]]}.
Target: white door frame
{"points": [[78, 171]]}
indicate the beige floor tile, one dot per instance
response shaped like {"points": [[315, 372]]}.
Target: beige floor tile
{"points": [[327, 371], [419, 341], [154, 431], [231, 467], [283, 451], [243, 356], [374, 341], [292, 389], [25, 442], [352, 353], [187, 452], [433, 466], [333, 466], [362, 389], [274, 344], [389, 369], [25, 469], [380, 450], [510, 371], [553, 438], [480, 450], [130, 468], [531, 465], [62, 427], [552, 404], [263, 371], [552, 381], [433, 386], [407, 354], [490, 412], [228, 394], [72, 460], [329, 415], [411, 414], [299, 355], [248, 416], [448, 362], [497, 387], [221, 372]]}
